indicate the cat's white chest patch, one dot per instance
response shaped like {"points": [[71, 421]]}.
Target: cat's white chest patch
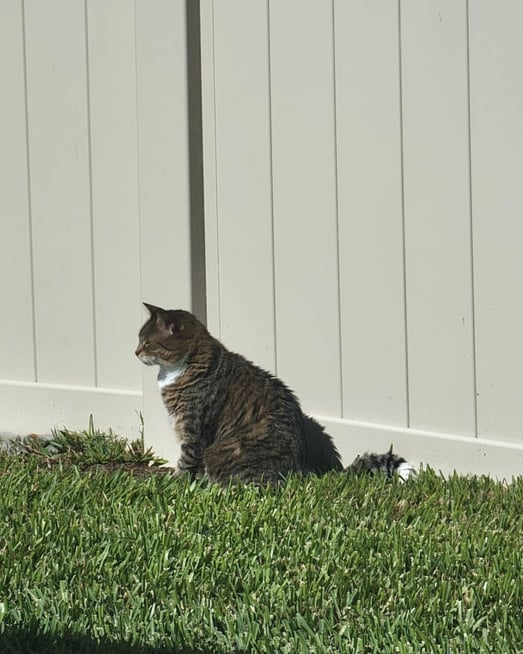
{"points": [[168, 376]]}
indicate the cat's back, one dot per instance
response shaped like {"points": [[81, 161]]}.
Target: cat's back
{"points": [[246, 386]]}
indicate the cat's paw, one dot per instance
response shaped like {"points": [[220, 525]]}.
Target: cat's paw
{"points": [[179, 472]]}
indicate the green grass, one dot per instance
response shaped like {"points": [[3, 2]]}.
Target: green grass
{"points": [[84, 448], [120, 563]]}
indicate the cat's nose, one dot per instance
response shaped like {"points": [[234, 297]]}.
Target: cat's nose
{"points": [[138, 350]]}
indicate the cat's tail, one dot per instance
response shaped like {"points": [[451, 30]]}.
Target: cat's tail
{"points": [[388, 464]]}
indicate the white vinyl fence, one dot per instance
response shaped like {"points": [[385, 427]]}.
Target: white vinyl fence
{"points": [[364, 215], [94, 206], [363, 175]]}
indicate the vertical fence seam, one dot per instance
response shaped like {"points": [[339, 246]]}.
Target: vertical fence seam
{"points": [[90, 182], [403, 221], [29, 200], [471, 224], [336, 200], [138, 172]]}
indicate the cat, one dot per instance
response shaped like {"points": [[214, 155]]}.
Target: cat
{"points": [[234, 420]]}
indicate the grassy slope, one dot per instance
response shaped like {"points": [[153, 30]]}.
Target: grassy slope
{"points": [[111, 562]]}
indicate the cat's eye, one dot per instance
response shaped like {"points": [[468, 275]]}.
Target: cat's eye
{"points": [[146, 343]]}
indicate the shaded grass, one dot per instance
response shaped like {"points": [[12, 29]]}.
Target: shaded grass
{"points": [[118, 563]]}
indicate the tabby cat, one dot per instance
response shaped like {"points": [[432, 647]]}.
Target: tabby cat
{"points": [[233, 419]]}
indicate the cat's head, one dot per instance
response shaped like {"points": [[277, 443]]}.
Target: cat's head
{"points": [[169, 336]]}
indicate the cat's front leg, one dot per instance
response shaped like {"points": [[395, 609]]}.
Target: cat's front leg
{"points": [[191, 460]]}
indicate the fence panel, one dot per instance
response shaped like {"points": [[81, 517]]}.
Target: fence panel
{"points": [[161, 70], [496, 88], [114, 189], [369, 158], [304, 201], [58, 136], [437, 216], [163, 166], [16, 326], [244, 193]]}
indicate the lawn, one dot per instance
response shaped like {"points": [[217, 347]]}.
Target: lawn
{"points": [[118, 557]]}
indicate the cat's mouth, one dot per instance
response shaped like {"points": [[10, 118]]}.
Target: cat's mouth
{"points": [[145, 358], [149, 361]]}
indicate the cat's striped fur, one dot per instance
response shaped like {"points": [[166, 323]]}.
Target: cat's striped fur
{"points": [[233, 419]]}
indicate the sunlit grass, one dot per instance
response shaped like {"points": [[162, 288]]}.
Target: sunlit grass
{"points": [[117, 563]]}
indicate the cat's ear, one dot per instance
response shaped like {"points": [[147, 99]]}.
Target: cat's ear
{"points": [[154, 311], [172, 325]]}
